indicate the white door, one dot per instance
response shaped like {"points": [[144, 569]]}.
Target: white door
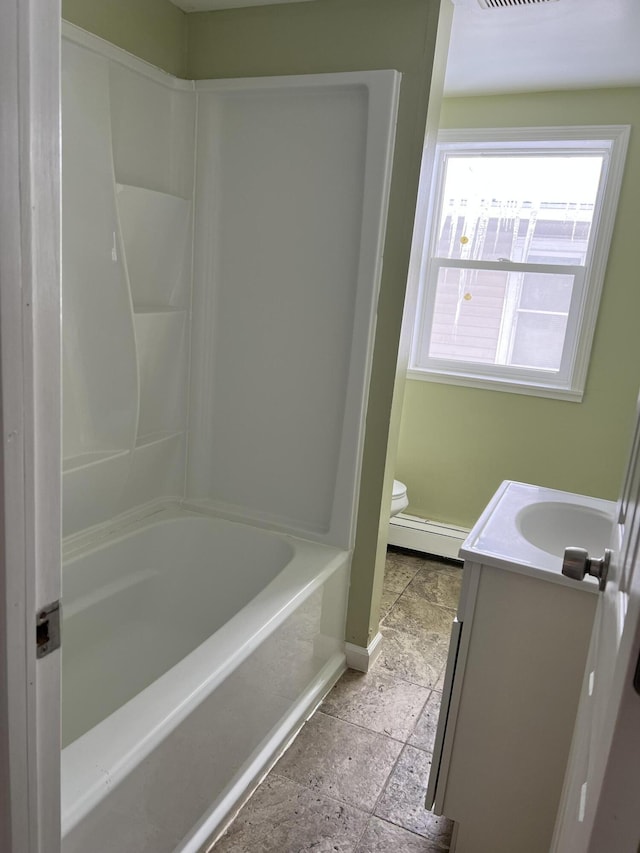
{"points": [[30, 423], [600, 806]]}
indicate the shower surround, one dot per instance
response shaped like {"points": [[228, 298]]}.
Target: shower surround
{"points": [[222, 248]]}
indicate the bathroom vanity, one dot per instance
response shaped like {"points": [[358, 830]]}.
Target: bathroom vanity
{"points": [[519, 644]]}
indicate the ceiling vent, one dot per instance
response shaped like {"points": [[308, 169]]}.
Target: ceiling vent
{"points": [[511, 4]]}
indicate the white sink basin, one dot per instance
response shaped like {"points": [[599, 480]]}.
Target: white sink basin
{"points": [[526, 528], [553, 525]]}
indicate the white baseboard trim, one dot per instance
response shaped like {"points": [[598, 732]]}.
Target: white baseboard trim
{"points": [[429, 537], [362, 658]]}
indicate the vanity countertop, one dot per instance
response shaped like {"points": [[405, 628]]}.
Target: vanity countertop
{"points": [[525, 529]]}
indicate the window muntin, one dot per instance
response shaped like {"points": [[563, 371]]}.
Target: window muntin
{"points": [[515, 257]]}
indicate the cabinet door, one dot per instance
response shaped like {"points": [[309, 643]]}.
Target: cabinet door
{"points": [[514, 698], [439, 768], [453, 680]]}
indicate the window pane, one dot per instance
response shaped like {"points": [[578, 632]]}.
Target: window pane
{"points": [[494, 317], [468, 314], [538, 340], [520, 208], [544, 292]]}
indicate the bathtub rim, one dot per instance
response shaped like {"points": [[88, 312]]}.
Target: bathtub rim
{"points": [[129, 734]]}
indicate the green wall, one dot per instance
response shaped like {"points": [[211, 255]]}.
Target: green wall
{"points": [[457, 444], [346, 35], [154, 30]]}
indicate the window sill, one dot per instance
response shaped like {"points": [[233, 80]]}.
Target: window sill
{"points": [[510, 386]]}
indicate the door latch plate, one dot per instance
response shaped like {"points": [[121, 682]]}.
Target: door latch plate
{"points": [[48, 629]]}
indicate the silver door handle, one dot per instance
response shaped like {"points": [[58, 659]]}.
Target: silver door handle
{"points": [[577, 563]]}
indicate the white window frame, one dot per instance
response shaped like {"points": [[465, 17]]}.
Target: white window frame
{"points": [[568, 382]]}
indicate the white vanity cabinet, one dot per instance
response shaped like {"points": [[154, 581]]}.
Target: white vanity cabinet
{"points": [[516, 663]]}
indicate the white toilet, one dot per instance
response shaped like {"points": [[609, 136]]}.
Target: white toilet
{"points": [[399, 499]]}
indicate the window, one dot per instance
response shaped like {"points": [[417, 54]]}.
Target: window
{"points": [[514, 255]]}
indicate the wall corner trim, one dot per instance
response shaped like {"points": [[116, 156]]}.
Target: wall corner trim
{"points": [[362, 658]]}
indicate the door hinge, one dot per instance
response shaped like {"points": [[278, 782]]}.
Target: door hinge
{"points": [[48, 629]]}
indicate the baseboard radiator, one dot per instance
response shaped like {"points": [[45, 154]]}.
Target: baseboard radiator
{"points": [[428, 537]]}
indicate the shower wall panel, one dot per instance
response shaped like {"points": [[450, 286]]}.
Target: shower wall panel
{"points": [[290, 208]]}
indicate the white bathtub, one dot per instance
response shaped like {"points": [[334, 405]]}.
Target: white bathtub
{"points": [[193, 648]]}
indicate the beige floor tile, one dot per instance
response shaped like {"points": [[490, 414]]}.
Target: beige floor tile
{"points": [[417, 616], [416, 640], [284, 817], [340, 760], [383, 837], [402, 802], [418, 658], [377, 701], [437, 584]]}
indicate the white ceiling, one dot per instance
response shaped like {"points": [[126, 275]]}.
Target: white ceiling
{"points": [[568, 44], [560, 44]]}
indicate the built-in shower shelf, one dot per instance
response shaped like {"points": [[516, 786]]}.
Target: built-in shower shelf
{"points": [[92, 487], [156, 438], [157, 309], [156, 235], [89, 459]]}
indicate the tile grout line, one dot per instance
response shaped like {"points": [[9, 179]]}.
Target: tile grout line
{"points": [[383, 789], [417, 597], [369, 814], [404, 743], [362, 834], [431, 691], [410, 633], [399, 825], [429, 841], [359, 726], [417, 683], [385, 734], [322, 794]]}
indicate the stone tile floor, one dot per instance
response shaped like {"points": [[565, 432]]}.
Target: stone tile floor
{"points": [[354, 779]]}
